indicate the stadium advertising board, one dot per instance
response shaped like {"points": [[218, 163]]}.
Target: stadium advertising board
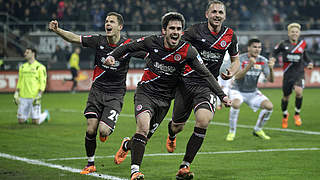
{"points": [[8, 80]]}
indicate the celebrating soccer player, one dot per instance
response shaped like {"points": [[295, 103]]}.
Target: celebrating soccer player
{"points": [[108, 88], [294, 56], [165, 64]]}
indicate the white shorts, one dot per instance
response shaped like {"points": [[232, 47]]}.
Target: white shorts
{"points": [[26, 108], [253, 99]]}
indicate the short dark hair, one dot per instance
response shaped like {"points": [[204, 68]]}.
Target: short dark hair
{"points": [[215, 2], [172, 16], [253, 40], [119, 17], [32, 50]]}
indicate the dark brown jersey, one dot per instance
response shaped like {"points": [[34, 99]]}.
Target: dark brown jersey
{"points": [[107, 78], [294, 57], [212, 47], [164, 66]]}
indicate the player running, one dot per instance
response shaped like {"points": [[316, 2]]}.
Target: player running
{"points": [[105, 98], [294, 56], [212, 40], [244, 89], [167, 58]]}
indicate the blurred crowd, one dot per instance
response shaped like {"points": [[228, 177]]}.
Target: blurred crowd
{"points": [[241, 14]]}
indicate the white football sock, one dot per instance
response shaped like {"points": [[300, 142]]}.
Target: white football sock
{"points": [[264, 116], [233, 118], [43, 116]]}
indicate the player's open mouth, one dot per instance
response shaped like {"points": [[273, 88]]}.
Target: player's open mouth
{"points": [[109, 29], [174, 37]]}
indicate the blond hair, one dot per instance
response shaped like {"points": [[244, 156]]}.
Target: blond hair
{"points": [[292, 25]]}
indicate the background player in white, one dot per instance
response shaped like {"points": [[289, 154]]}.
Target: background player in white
{"points": [[225, 84], [31, 85], [244, 89]]}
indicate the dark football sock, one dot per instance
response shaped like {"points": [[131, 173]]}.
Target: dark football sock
{"points": [[137, 148], [172, 135], [284, 105], [194, 144], [90, 143], [298, 105]]}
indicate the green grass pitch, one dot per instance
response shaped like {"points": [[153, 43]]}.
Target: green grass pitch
{"points": [[289, 155]]}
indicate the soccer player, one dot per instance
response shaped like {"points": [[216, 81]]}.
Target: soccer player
{"points": [[244, 89], [165, 64], [106, 95], [294, 56], [74, 68], [212, 40], [31, 85]]}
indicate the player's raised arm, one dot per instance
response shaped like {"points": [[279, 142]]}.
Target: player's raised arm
{"points": [[66, 35]]}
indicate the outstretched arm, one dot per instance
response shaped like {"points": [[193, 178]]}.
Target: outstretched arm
{"points": [[66, 35]]}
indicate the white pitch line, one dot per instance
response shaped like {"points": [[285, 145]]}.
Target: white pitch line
{"points": [[56, 166], [202, 153], [214, 123]]}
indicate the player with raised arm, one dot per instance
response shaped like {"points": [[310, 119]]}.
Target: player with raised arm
{"points": [[212, 40], [165, 64], [31, 85], [244, 89], [105, 98], [294, 56]]}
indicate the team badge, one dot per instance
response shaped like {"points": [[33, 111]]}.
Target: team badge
{"points": [[177, 57], [223, 43], [139, 107]]}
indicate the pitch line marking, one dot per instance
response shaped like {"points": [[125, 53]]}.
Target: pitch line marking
{"points": [[202, 153], [214, 123], [57, 166]]}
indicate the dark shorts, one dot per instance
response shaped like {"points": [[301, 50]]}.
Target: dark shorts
{"points": [[192, 97], [157, 108], [104, 106], [74, 73], [288, 84]]}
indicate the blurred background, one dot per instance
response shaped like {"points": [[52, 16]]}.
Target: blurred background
{"points": [[24, 24]]}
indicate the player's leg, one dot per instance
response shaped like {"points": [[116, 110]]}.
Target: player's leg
{"points": [[287, 90], [261, 101], [92, 113], [24, 109], [37, 116], [298, 88], [181, 112], [237, 100]]}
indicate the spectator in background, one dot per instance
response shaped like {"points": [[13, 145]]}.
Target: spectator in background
{"points": [[59, 56], [74, 68]]}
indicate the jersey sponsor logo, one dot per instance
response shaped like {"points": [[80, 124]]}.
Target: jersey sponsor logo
{"points": [[293, 57], [177, 57], [257, 66], [211, 56], [253, 73], [165, 69], [139, 107], [223, 43]]}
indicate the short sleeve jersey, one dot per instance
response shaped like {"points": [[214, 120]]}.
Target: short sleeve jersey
{"points": [[249, 82], [110, 79], [294, 57], [32, 79], [211, 47]]}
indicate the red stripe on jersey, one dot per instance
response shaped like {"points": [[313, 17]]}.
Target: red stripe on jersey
{"points": [[261, 63], [247, 62], [224, 41], [187, 69], [179, 55], [97, 72], [285, 65], [148, 76], [126, 42], [300, 48]]}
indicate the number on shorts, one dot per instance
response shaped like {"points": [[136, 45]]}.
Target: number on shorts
{"points": [[154, 128], [114, 115], [211, 98]]}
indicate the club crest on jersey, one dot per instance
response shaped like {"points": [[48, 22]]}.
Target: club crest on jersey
{"points": [[177, 57], [257, 66], [223, 43], [139, 107]]}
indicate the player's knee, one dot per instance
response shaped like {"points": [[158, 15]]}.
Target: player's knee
{"points": [[236, 103], [267, 105], [105, 130], [177, 127]]}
